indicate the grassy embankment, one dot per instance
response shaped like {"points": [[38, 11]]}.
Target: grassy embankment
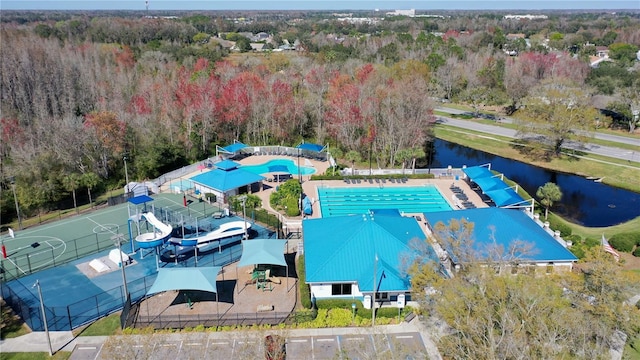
{"points": [[617, 173]]}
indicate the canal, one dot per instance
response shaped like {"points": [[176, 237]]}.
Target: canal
{"points": [[584, 202]]}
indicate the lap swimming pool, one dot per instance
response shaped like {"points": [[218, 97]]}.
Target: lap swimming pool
{"points": [[279, 166], [359, 200]]}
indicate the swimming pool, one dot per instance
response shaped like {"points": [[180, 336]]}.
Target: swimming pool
{"points": [[347, 201], [279, 165]]}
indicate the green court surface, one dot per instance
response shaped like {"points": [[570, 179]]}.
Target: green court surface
{"points": [[65, 240]]}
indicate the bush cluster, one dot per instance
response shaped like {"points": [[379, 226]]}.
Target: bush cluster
{"points": [[557, 225], [625, 242], [305, 292]]}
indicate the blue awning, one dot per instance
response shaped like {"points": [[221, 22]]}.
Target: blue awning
{"points": [[504, 197], [263, 251], [311, 147], [233, 148], [490, 183], [476, 172], [137, 200], [200, 278]]}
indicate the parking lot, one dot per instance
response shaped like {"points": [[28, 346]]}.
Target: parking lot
{"points": [[242, 346]]}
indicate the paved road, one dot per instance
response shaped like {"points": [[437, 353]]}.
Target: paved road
{"points": [[608, 151]]}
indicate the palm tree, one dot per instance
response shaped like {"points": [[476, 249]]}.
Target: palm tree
{"points": [[416, 153], [548, 194], [353, 157], [71, 182], [90, 180]]}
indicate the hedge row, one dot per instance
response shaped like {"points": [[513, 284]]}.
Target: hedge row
{"points": [[305, 292]]}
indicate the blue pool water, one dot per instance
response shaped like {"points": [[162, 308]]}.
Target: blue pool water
{"points": [[359, 200], [279, 165]]}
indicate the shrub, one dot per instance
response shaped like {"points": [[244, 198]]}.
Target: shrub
{"points": [[574, 238], [305, 292], [636, 252], [336, 303], [623, 242], [291, 206], [555, 224]]}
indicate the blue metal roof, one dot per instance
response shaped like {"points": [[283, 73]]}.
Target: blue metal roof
{"points": [[225, 180], [343, 249], [311, 147], [504, 226], [227, 165]]}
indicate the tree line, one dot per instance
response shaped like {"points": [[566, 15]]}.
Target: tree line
{"points": [[82, 92]]}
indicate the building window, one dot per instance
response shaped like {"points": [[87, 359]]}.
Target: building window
{"points": [[341, 289]]}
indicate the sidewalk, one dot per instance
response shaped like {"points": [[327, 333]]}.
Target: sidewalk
{"points": [[64, 340]]}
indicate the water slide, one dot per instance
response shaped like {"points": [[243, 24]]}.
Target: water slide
{"points": [[224, 231], [161, 232]]}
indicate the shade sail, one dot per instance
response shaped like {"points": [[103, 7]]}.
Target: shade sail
{"points": [[262, 251], [233, 148], [476, 172], [504, 197], [490, 183], [202, 278], [311, 147]]}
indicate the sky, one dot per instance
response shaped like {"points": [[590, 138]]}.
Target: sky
{"points": [[317, 5]]}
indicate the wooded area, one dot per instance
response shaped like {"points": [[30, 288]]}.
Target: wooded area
{"points": [[80, 92]]}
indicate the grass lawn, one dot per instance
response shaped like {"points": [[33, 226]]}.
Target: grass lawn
{"points": [[61, 355], [109, 325], [616, 172], [11, 326], [632, 350]]}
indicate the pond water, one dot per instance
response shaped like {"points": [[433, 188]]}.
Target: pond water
{"points": [[583, 202]]}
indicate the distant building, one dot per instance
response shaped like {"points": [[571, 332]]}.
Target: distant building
{"points": [[526, 17], [409, 13]]}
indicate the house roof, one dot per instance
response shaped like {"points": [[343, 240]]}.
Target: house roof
{"points": [[226, 177], [344, 249], [504, 226]]}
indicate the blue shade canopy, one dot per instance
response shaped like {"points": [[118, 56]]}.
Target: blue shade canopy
{"points": [[137, 200], [233, 148], [499, 191], [504, 197], [311, 147], [262, 251], [200, 278], [475, 172]]}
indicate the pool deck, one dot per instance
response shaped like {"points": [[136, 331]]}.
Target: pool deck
{"points": [[310, 187]]}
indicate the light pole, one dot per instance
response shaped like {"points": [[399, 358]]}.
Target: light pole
{"points": [[243, 199], [126, 174], [117, 239], [373, 297], [15, 199], [299, 181], [44, 316]]}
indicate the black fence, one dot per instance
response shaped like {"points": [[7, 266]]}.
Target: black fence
{"points": [[22, 265], [211, 320], [63, 318]]}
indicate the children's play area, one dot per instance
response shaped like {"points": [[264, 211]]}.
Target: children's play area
{"points": [[84, 265]]}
